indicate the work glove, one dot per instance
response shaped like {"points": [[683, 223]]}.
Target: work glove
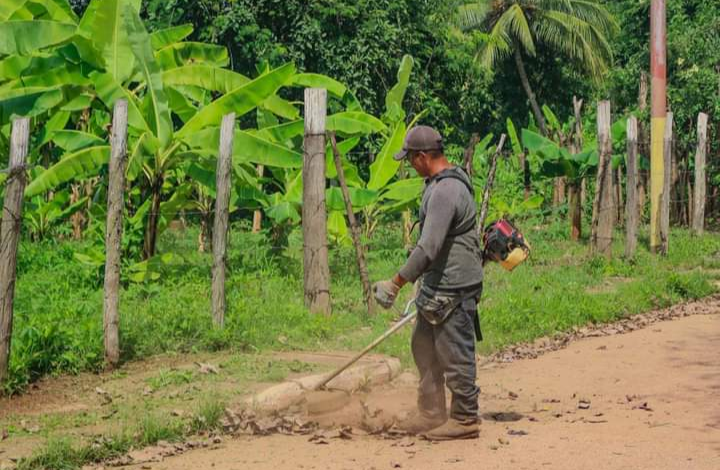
{"points": [[386, 292]]}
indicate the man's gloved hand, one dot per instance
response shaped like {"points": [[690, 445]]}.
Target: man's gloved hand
{"points": [[386, 292]]}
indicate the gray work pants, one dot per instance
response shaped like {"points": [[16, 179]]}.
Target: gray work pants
{"points": [[445, 354]]}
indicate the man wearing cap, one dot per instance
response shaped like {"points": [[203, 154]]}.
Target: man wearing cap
{"points": [[448, 262]]}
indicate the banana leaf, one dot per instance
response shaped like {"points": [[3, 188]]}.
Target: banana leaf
{"points": [[403, 190], [223, 81], [180, 104], [76, 165], [65, 74], [167, 36], [354, 122], [240, 100], [384, 167], [79, 103], [28, 102], [55, 10], [104, 22], [109, 91], [393, 100], [9, 7], [316, 80], [185, 53], [283, 132], [26, 37], [72, 141], [157, 112], [247, 148], [514, 140], [359, 198]]}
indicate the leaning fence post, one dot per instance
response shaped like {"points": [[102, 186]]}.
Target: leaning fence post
{"points": [[220, 226], [10, 235], [354, 229], [113, 233], [632, 208], [698, 217]]}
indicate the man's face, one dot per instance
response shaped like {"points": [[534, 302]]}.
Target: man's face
{"points": [[419, 160]]}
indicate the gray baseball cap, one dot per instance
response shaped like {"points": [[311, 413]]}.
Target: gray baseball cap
{"points": [[420, 138]]}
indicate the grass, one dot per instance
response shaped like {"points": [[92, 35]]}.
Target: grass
{"points": [[58, 321]]}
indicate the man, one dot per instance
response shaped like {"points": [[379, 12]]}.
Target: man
{"points": [[449, 259]]}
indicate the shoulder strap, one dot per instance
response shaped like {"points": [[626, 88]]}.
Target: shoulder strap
{"points": [[454, 175], [457, 231]]}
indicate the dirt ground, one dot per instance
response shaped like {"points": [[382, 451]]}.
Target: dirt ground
{"points": [[649, 399]]}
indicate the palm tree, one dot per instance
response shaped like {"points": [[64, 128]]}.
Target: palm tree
{"points": [[578, 29]]}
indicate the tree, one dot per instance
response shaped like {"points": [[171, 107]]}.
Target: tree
{"points": [[578, 29]]}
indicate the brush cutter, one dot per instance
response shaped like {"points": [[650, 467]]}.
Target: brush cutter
{"points": [[405, 317]]}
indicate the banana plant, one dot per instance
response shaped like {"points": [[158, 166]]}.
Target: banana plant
{"points": [[138, 65], [40, 216]]}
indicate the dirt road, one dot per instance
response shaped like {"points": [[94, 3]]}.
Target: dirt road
{"points": [[649, 399]]}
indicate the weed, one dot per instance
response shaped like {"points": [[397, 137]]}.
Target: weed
{"points": [[154, 428], [170, 377], [208, 415]]}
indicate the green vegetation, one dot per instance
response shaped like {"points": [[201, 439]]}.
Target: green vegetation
{"points": [[59, 321]]}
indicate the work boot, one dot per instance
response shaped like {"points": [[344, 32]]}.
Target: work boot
{"points": [[420, 422], [454, 429]]}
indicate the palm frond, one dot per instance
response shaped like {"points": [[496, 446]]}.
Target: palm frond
{"points": [[589, 11], [575, 38], [472, 15], [514, 24]]}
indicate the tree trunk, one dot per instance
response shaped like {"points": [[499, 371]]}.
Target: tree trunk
{"points": [[150, 241], [257, 215], [468, 154], [525, 166], [528, 91], [575, 210]]}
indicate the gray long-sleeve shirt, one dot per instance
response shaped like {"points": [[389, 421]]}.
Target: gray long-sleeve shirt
{"points": [[448, 251]]}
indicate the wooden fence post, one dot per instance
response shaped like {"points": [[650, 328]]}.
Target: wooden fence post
{"points": [[632, 208], [604, 202], [316, 271], [664, 219], [354, 228], [220, 224], [10, 235], [113, 233], [698, 217]]}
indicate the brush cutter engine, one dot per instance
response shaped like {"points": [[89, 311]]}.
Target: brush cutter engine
{"points": [[505, 244]]}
